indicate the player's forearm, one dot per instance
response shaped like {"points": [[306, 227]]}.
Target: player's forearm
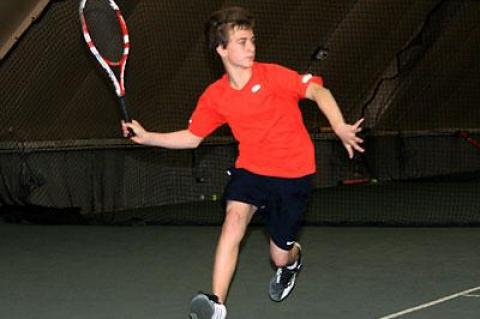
{"points": [[183, 139], [329, 107]]}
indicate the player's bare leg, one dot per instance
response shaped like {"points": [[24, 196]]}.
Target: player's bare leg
{"points": [[238, 216], [289, 263]]}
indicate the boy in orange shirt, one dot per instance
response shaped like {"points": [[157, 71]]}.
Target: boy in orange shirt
{"points": [[272, 173]]}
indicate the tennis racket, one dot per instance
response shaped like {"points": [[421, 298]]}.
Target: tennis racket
{"points": [[106, 34]]}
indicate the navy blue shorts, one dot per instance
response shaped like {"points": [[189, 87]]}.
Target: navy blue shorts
{"points": [[281, 201]]}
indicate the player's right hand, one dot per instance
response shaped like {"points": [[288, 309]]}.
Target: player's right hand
{"points": [[138, 130]]}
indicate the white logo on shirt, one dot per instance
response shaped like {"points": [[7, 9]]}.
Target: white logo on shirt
{"points": [[306, 78], [256, 88]]}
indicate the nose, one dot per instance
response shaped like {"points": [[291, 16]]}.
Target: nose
{"points": [[251, 46]]}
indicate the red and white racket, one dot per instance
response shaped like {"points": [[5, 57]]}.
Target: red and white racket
{"points": [[106, 35]]}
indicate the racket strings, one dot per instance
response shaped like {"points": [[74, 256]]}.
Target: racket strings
{"points": [[104, 29]]}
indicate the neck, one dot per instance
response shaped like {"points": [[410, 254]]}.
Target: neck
{"points": [[238, 77]]}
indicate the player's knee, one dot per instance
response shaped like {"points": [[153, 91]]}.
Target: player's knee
{"points": [[234, 225]]}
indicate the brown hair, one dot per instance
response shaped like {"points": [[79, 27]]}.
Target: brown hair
{"points": [[221, 22]]}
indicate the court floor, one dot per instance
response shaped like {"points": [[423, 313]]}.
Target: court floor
{"points": [[150, 272]]}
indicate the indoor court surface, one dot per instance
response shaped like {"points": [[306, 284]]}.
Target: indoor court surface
{"points": [[150, 272]]}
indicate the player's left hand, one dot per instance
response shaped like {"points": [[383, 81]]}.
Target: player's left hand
{"points": [[348, 135]]}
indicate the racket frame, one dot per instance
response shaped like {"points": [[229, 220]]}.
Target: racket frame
{"points": [[106, 64]]}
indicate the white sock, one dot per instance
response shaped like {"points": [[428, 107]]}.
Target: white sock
{"points": [[293, 266]]}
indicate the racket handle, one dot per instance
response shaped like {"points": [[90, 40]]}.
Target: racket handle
{"points": [[126, 117]]}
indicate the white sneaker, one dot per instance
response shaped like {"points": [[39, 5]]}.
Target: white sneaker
{"points": [[205, 306]]}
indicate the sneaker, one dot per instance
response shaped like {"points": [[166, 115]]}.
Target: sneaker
{"points": [[205, 306], [284, 280]]}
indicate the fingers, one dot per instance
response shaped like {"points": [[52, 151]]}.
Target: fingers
{"points": [[352, 141], [129, 129], [358, 139], [358, 148], [134, 131], [349, 151], [125, 128], [351, 147], [358, 123], [355, 142]]}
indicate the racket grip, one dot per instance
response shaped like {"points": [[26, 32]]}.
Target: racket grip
{"points": [[126, 117]]}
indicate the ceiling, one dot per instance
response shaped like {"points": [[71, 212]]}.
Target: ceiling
{"points": [[403, 65], [15, 18]]}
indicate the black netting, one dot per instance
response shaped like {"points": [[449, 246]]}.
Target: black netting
{"points": [[411, 68]]}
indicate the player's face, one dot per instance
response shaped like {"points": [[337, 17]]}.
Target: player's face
{"points": [[240, 50]]}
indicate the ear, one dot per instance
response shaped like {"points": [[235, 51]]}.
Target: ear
{"points": [[222, 52]]}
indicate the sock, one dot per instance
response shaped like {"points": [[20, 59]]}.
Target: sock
{"points": [[293, 266]]}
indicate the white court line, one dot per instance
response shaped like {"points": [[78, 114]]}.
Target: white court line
{"points": [[429, 304]]}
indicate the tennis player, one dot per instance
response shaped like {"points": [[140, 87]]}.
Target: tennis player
{"points": [[272, 174]]}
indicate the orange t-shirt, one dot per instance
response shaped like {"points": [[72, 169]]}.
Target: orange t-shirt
{"points": [[265, 119]]}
